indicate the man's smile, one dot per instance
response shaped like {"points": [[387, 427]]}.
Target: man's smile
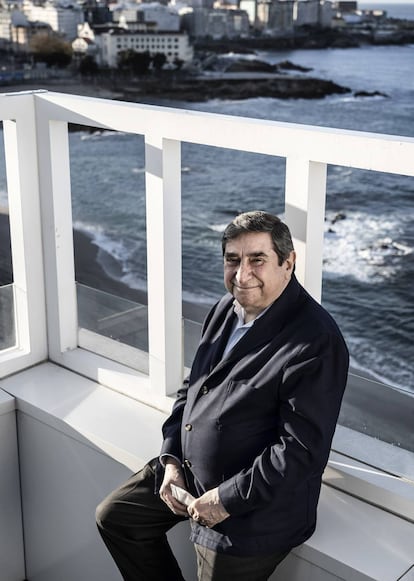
{"points": [[246, 287]]}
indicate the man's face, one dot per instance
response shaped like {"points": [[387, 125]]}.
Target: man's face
{"points": [[252, 273]]}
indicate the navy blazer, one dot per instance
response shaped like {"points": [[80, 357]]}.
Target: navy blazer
{"points": [[259, 422]]}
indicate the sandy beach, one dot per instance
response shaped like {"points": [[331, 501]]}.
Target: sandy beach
{"points": [[88, 270]]}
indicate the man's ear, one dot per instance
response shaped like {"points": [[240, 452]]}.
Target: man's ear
{"points": [[290, 261]]}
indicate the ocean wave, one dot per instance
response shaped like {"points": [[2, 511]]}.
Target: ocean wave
{"points": [[99, 134], [379, 364], [364, 246], [141, 170], [218, 227], [116, 249], [200, 298]]}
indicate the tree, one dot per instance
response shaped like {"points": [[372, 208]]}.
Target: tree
{"points": [[158, 60], [88, 65], [134, 62], [51, 49]]}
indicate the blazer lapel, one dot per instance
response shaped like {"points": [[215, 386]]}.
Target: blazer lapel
{"points": [[264, 329]]}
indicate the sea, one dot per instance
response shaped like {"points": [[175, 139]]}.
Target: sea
{"points": [[369, 235]]}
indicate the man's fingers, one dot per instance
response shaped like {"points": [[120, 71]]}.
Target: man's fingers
{"points": [[173, 504]]}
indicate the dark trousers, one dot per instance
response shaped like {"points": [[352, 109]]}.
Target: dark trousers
{"points": [[133, 522]]}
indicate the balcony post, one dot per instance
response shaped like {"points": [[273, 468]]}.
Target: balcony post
{"points": [[25, 233], [56, 205], [305, 215], [165, 335]]}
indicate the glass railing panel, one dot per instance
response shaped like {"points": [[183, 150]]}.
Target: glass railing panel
{"points": [[117, 328], [7, 321], [218, 184], [367, 287], [108, 207]]}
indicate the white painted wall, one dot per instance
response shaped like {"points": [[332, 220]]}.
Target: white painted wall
{"points": [[11, 534]]}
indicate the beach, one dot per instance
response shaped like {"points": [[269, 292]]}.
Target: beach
{"points": [[88, 270]]}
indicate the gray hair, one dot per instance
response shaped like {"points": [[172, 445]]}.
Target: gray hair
{"points": [[258, 221]]}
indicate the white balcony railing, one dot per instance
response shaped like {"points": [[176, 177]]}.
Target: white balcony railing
{"points": [[39, 188]]}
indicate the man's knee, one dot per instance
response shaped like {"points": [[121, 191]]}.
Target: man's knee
{"points": [[105, 513]]}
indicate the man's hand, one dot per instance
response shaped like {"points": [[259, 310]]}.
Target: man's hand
{"points": [[208, 510], [173, 475]]}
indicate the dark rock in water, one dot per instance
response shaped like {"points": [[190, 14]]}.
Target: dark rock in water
{"points": [[370, 94], [289, 66], [236, 64], [338, 217], [249, 65], [237, 86]]}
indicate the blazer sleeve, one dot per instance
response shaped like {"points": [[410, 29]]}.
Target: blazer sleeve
{"points": [[310, 396], [171, 430]]}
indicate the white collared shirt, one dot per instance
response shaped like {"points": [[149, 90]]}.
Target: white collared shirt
{"points": [[240, 328]]}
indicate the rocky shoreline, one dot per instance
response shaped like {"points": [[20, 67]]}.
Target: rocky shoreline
{"points": [[152, 90], [235, 87]]}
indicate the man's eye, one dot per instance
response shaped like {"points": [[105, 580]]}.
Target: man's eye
{"points": [[257, 261]]}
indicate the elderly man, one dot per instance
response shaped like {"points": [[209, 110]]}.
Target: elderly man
{"points": [[249, 435]]}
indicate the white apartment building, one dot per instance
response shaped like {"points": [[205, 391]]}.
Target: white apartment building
{"points": [[8, 20], [16, 30], [216, 22], [326, 14], [62, 16], [175, 45], [313, 12], [152, 15], [275, 15], [306, 12]]}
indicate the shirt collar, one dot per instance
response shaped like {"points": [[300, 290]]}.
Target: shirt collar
{"points": [[240, 314]]}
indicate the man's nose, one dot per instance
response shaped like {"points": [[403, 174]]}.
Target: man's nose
{"points": [[244, 272]]}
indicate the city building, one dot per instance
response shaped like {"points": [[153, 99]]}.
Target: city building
{"points": [[151, 16], [175, 45], [62, 16], [275, 15], [216, 22], [16, 29], [313, 13]]}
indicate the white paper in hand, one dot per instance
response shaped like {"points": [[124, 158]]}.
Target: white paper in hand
{"points": [[181, 495]]}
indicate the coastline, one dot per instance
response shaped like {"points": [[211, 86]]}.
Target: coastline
{"points": [[152, 89], [88, 270]]}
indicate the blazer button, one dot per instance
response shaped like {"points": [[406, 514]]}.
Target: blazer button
{"points": [[188, 427], [204, 390], [187, 463]]}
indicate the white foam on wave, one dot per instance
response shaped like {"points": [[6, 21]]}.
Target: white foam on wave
{"points": [[360, 245], [99, 134], [120, 250], [141, 170], [217, 227], [115, 248], [363, 246], [379, 364]]}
